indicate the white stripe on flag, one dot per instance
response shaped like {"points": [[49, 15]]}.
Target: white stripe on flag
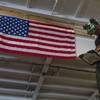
{"points": [[52, 32], [51, 37]]}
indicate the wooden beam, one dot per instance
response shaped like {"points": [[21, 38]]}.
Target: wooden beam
{"points": [[41, 79]]}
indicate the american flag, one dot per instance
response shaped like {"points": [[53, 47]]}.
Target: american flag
{"points": [[35, 38]]}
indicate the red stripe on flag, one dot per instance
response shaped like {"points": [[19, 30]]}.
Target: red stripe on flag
{"points": [[36, 54], [37, 48], [36, 42], [51, 29], [40, 23]]}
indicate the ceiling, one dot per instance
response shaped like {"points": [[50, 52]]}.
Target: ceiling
{"points": [[77, 10], [38, 78]]}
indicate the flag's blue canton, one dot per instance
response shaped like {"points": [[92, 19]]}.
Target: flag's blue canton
{"points": [[14, 26]]}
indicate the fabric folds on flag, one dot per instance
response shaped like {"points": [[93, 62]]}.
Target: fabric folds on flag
{"points": [[35, 38]]}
